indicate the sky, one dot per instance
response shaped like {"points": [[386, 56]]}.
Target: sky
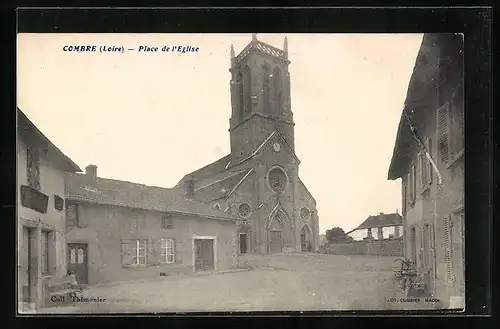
{"points": [[152, 117]]}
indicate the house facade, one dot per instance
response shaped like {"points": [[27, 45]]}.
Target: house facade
{"points": [[429, 159], [118, 230], [259, 180], [41, 258], [379, 227]]}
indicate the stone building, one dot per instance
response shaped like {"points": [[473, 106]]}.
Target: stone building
{"points": [[259, 180], [40, 215], [379, 227], [118, 230], [429, 159]]}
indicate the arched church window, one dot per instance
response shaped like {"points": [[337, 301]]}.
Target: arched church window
{"points": [[241, 98], [247, 85], [244, 210], [277, 179], [266, 90], [277, 88]]}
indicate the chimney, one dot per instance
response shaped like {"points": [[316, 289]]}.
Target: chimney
{"points": [[381, 213], [189, 188], [91, 170]]}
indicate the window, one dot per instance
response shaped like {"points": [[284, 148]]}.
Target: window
{"points": [[134, 252], [266, 91], [305, 213], [33, 169], [443, 126], [244, 210], [58, 203], [167, 251], [167, 222], [247, 85], [277, 180], [450, 130], [72, 215], [412, 185], [428, 165], [277, 88], [45, 251]]}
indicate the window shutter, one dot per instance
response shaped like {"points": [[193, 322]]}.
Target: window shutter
{"points": [[421, 169], [429, 170], [178, 252], [462, 234], [422, 243], [443, 124], [447, 248], [432, 251], [128, 252], [70, 216], [81, 220]]}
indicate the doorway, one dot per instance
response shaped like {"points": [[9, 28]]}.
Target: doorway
{"points": [[275, 241], [204, 258], [413, 245], [243, 243], [26, 268], [305, 239], [78, 261]]}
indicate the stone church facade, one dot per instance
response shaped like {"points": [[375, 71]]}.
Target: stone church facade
{"points": [[259, 180]]}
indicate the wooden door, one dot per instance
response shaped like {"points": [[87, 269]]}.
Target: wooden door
{"points": [[78, 261], [204, 254], [275, 241], [243, 243], [25, 265]]}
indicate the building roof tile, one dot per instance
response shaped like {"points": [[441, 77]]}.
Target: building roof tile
{"points": [[82, 187]]}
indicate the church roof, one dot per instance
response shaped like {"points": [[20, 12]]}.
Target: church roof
{"points": [[207, 171], [263, 48], [220, 178], [220, 187], [381, 220], [82, 187]]}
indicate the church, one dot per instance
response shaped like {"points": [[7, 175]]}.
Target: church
{"points": [[258, 181]]}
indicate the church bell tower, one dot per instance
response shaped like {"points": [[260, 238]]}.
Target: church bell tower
{"points": [[260, 97]]}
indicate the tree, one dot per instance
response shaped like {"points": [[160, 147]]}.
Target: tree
{"points": [[337, 234]]}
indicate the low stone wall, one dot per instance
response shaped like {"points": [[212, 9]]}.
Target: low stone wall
{"points": [[387, 247]]}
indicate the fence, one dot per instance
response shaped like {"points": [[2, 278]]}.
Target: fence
{"points": [[386, 247]]}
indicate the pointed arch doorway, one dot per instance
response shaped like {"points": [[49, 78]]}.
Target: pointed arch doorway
{"points": [[305, 239], [244, 238], [275, 231]]}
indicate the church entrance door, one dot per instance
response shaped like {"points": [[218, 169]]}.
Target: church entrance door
{"points": [[243, 243], [305, 239], [275, 243]]}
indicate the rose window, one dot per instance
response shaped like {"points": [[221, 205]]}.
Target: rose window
{"points": [[277, 179], [244, 210]]}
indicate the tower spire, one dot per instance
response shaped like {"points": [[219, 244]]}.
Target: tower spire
{"points": [[254, 37], [285, 47], [232, 53]]}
